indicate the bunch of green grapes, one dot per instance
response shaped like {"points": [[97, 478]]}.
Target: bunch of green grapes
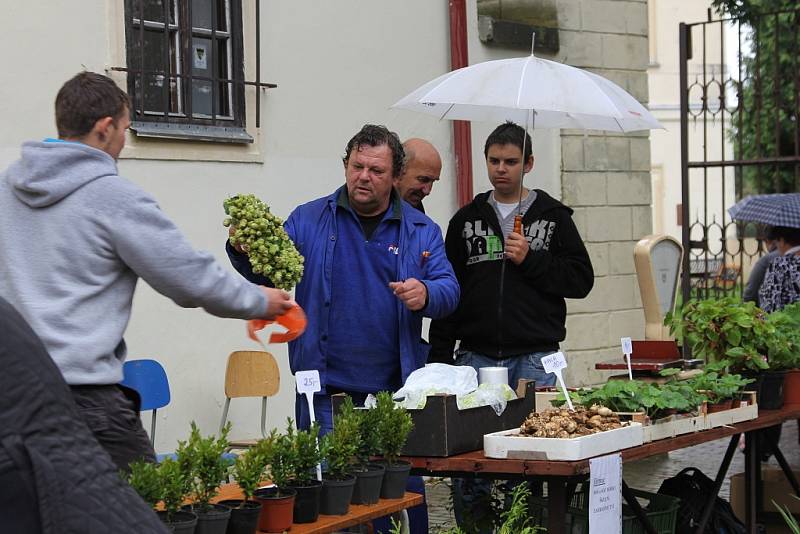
{"points": [[262, 236]]}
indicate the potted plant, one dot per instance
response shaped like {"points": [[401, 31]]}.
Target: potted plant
{"points": [[369, 475], [209, 468], [784, 349], [393, 424], [143, 478], [175, 487], [277, 501], [339, 449], [307, 456], [719, 389], [247, 470]]}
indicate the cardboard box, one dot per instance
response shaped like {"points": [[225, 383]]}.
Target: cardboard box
{"points": [[776, 488], [509, 444], [441, 429]]}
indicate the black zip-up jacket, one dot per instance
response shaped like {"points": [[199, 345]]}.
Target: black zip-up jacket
{"points": [[531, 315]]}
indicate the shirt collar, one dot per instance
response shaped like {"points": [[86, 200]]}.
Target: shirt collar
{"points": [[396, 211]]}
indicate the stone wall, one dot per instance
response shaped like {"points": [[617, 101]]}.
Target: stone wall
{"points": [[606, 180]]}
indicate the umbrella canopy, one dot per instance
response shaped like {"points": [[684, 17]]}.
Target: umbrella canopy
{"points": [[781, 209], [560, 96]]}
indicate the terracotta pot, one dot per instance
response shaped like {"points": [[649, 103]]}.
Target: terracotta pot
{"points": [[277, 509], [791, 387], [726, 404]]}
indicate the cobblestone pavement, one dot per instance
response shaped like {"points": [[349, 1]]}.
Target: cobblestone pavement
{"points": [[644, 474]]}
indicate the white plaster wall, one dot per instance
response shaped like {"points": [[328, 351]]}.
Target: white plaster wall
{"points": [[338, 65]]}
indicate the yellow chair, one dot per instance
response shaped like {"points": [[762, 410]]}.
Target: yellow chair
{"points": [[250, 374]]}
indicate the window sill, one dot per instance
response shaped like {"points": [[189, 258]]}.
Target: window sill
{"points": [[189, 132]]}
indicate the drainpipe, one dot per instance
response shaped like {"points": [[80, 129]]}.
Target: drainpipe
{"points": [[462, 133]]}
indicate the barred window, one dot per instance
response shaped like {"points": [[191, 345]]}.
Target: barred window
{"points": [[185, 65]]}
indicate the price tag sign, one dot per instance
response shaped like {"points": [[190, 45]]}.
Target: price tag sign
{"points": [[627, 350], [308, 383], [554, 363], [605, 494]]}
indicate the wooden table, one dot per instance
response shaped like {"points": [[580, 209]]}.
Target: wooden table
{"points": [[358, 514], [562, 475]]}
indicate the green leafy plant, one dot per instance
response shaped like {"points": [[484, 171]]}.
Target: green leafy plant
{"points": [[724, 329], [784, 345], [279, 455], [369, 441], [516, 519], [393, 424], [208, 466], [175, 485], [340, 446], [307, 454], [144, 479], [248, 469], [791, 522], [718, 387]]}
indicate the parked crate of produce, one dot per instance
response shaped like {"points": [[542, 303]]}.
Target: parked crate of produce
{"points": [[660, 510], [745, 411]]}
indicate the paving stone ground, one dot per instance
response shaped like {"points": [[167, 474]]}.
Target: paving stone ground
{"points": [[644, 474]]}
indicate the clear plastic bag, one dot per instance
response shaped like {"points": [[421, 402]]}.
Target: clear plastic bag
{"points": [[494, 395]]}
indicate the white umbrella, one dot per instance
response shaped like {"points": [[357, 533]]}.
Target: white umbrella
{"points": [[529, 89]]}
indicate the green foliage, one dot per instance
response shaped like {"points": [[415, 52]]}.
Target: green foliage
{"points": [[724, 329], [208, 467], [278, 453], [175, 485], [783, 346], [248, 470], [637, 396], [394, 424], [145, 480], [341, 445], [516, 519], [268, 246], [718, 387], [369, 439], [791, 522], [769, 106], [307, 454]]}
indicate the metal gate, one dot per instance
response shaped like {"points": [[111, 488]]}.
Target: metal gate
{"points": [[740, 135]]}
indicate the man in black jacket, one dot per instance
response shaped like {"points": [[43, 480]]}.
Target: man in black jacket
{"points": [[513, 285]]}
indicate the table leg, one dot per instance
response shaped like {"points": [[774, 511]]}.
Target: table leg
{"points": [[723, 470], [630, 498], [556, 505], [751, 466], [787, 470]]}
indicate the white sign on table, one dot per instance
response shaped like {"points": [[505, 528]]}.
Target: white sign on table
{"points": [[308, 383], [605, 494], [554, 363], [627, 350]]}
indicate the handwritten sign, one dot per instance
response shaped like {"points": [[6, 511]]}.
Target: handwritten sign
{"points": [[554, 363], [308, 383], [605, 494], [627, 350]]}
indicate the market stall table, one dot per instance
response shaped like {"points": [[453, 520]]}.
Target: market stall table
{"points": [[358, 514], [562, 476]]}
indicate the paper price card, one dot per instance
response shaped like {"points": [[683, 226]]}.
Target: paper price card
{"points": [[307, 381], [605, 494], [627, 350], [554, 362]]}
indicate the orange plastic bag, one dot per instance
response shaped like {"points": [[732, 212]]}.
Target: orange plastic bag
{"points": [[294, 321]]}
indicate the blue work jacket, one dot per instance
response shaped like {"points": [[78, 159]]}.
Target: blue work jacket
{"points": [[313, 229]]}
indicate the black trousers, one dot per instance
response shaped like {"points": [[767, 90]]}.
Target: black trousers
{"points": [[112, 414]]}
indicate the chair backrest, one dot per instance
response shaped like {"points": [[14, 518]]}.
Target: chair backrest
{"points": [[149, 379], [251, 373]]}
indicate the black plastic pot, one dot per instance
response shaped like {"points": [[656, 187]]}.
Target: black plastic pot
{"points": [[306, 503], [244, 519], [211, 520], [368, 485], [395, 479], [336, 495], [768, 386], [181, 522]]}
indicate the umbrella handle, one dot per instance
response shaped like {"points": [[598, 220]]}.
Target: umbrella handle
{"points": [[518, 224]]}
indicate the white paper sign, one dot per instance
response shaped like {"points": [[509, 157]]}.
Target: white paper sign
{"points": [[307, 381], [605, 494], [627, 350], [307, 384], [554, 362]]}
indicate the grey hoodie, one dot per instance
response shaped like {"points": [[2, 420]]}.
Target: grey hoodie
{"points": [[74, 239]]}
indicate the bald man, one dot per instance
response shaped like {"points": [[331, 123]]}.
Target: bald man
{"points": [[422, 169]]}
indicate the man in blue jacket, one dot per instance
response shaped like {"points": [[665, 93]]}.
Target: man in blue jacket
{"points": [[374, 266]]}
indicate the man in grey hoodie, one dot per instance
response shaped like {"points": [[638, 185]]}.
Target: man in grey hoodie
{"points": [[74, 239]]}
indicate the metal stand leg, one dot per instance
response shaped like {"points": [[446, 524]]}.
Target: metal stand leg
{"points": [[751, 469], [556, 504], [787, 470], [723, 470]]}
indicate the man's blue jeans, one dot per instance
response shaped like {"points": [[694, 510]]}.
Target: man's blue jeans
{"points": [[473, 495]]}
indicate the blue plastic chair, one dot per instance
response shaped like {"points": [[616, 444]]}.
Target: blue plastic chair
{"points": [[149, 379]]}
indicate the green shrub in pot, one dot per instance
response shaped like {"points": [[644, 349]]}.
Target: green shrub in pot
{"points": [[144, 479]]}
